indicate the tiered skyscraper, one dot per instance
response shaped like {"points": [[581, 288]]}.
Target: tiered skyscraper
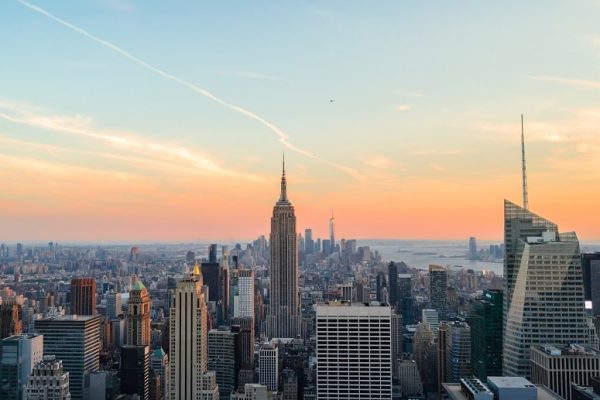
{"points": [[138, 315], [188, 379], [543, 287], [284, 306]]}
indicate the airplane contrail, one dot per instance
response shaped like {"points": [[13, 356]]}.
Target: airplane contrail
{"points": [[283, 136]]}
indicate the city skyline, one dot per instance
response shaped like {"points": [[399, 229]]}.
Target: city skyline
{"points": [[109, 131]]}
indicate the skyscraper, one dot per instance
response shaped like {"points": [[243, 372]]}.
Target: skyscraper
{"points": [[393, 284], [135, 370], [458, 352], [48, 381], [113, 304], [354, 358], [590, 264], [472, 248], [284, 305], [159, 363], [18, 355], [188, 340], [75, 340], [268, 366], [309, 244], [485, 318], [405, 299], [10, 318], [332, 233], [543, 288], [138, 315], [223, 359], [244, 298], [438, 288], [83, 296]]}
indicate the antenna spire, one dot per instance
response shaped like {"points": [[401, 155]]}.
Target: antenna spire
{"points": [[525, 196], [283, 194]]}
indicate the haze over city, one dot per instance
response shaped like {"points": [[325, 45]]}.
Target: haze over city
{"points": [[124, 121]]}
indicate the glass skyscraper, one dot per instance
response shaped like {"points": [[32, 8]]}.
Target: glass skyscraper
{"points": [[543, 288], [485, 318]]}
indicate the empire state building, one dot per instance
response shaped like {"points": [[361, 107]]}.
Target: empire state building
{"points": [[284, 304]]}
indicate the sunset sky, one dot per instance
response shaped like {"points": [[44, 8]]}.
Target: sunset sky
{"points": [[166, 120]]}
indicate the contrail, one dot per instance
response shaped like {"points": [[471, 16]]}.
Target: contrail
{"points": [[283, 136]]}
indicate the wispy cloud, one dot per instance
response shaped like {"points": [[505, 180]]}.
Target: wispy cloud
{"points": [[402, 107], [149, 150], [381, 162], [439, 152], [584, 83], [283, 137], [251, 75]]}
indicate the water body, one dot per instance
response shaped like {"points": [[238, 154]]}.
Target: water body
{"points": [[421, 253]]}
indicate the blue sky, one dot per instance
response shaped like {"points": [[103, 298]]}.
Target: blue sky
{"points": [[426, 94]]}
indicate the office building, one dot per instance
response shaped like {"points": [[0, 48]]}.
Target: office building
{"points": [[222, 351], [10, 318], [458, 352], [431, 316], [83, 296], [188, 379], [253, 391], [18, 355], [558, 367], [135, 371], [498, 388], [438, 289], [397, 343], [405, 299], [138, 315], [354, 359], [543, 288], [442, 356], [284, 319], [309, 245], [485, 319], [473, 248], [209, 389], [113, 304], [409, 379], [159, 364], [244, 327], [268, 366], [244, 298], [393, 284], [47, 381], [75, 340], [590, 265]]}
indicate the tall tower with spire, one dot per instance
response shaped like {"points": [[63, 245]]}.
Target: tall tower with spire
{"points": [[284, 306], [332, 232], [189, 340]]}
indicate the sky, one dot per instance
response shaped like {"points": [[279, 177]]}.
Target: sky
{"points": [[166, 121]]}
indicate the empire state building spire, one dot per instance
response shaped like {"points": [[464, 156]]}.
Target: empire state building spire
{"points": [[283, 195]]}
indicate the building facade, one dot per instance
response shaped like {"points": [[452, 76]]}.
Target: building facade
{"points": [[48, 381], [75, 340], [438, 289], [138, 315], [268, 366], [83, 296], [543, 288], [485, 318], [558, 367], [284, 319], [354, 358], [18, 355]]}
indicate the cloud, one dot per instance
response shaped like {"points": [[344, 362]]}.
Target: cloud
{"points": [[147, 150], [280, 133], [588, 84], [439, 152], [402, 107], [381, 162], [251, 75]]}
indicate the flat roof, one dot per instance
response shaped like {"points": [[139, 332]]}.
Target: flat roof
{"points": [[510, 382], [353, 309]]}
